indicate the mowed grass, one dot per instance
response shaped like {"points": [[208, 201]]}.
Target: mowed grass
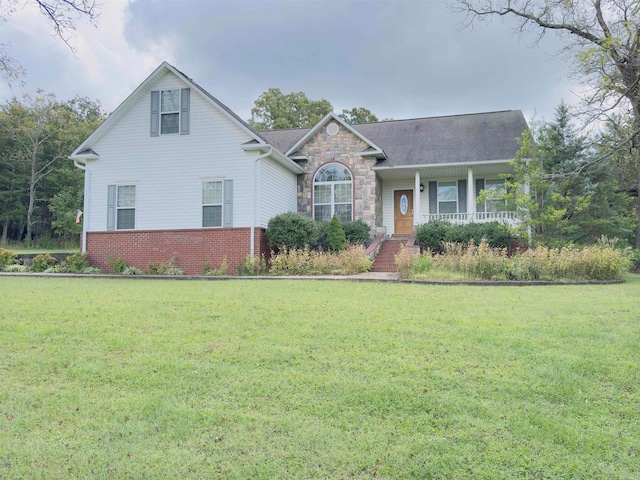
{"points": [[124, 378]]}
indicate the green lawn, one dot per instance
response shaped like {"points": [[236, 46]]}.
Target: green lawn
{"points": [[126, 378]]}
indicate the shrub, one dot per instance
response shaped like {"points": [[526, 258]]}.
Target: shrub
{"points": [[357, 232], [336, 239], [42, 263], [291, 230], [118, 265], [253, 265], [303, 261], [75, 263], [7, 257], [431, 235], [222, 270], [91, 270], [16, 267], [131, 271], [404, 261], [164, 268]]}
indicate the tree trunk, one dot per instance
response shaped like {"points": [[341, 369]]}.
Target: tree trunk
{"points": [[32, 194], [5, 231]]}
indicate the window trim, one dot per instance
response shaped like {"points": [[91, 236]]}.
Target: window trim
{"points": [[118, 208], [455, 182], [221, 204], [172, 112], [332, 184]]}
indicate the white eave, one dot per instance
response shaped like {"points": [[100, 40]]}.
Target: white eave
{"points": [[435, 165], [373, 151], [276, 154], [85, 155]]}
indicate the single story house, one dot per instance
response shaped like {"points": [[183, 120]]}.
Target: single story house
{"points": [[173, 173]]}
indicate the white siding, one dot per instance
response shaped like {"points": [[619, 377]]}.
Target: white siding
{"points": [[277, 191], [169, 169], [388, 187]]}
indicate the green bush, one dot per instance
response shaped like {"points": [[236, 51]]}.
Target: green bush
{"points": [[75, 263], [7, 257], [431, 235], [291, 230], [253, 265], [357, 232], [42, 263], [131, 271], [336, 239], [118, 265], [164, 268], [303, 261]]}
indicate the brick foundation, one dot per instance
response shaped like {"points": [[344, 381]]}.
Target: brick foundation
{"points": [[190, 249]]}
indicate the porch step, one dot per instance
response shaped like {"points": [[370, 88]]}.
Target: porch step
{"points": [[384, 261]]}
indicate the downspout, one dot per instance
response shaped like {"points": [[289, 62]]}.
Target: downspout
{"points": [[255, 199], [86, 203]]}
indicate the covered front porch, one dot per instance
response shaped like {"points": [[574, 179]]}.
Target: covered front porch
{"points": [[414, 195]]}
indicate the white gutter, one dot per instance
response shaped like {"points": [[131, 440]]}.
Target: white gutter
{"points": [[255, 199], [83, 167]]}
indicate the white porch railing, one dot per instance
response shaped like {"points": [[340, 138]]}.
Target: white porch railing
{"points": [[478, 217]]}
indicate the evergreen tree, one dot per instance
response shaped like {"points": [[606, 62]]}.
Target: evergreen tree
{"points": [[336, 239]]}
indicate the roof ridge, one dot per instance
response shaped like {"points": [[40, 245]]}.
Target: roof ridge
{"points": [[436, 116]]}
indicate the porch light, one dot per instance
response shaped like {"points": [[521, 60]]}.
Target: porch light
{"points": [[422, 187]]}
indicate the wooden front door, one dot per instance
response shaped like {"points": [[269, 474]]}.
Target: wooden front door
{"points": [[403, 211]]}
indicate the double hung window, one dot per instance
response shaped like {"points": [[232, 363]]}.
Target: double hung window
{"points": [[169, 111], [212, 201], [448, 197], [126, 207]]}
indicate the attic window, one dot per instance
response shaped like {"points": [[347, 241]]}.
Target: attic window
{"points": [[332, 129], [169, 111]]}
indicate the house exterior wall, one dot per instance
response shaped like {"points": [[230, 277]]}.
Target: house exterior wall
{"points": [[190, 250], [168, 170], [344, 148], [390, 186], [276, 190]]}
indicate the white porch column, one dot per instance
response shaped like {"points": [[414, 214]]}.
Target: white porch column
{"points": [[416, 200], [471, 198]]}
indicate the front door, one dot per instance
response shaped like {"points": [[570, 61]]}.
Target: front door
{"points": [[403, 211]]}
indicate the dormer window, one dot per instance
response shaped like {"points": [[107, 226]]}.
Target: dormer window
{"points": [[170, 112]]}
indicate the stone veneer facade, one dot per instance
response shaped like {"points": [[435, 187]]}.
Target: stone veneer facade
{"points": [[344, 148]]}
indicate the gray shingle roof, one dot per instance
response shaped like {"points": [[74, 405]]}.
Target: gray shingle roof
{"points": [[472, 138]]}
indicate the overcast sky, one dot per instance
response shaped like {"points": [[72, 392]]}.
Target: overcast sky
{"points": [[398, 58]]}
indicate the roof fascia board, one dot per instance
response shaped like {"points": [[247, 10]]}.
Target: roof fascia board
{"points": [[317, 127], [276, 154], [435, 165]]}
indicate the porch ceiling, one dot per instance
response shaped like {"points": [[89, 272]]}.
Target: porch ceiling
{"points": [[444, 171]]}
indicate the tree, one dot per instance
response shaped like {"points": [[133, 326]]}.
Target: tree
{"points": [[358, 115], [604, 36], [572, 198], [336, 239], [274, 110], [38, 133], [60, 15]]}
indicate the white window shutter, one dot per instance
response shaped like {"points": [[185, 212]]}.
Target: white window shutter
{"points": [[184, 111], [111, 208], [228, 204]]}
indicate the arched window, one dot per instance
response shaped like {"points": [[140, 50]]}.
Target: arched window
{"points": [[333, 193]]}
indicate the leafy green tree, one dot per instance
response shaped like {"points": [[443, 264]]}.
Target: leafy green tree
{"points": [[358, 115], [603, 36], [274, 110], [39, 134], [572, 195]]}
